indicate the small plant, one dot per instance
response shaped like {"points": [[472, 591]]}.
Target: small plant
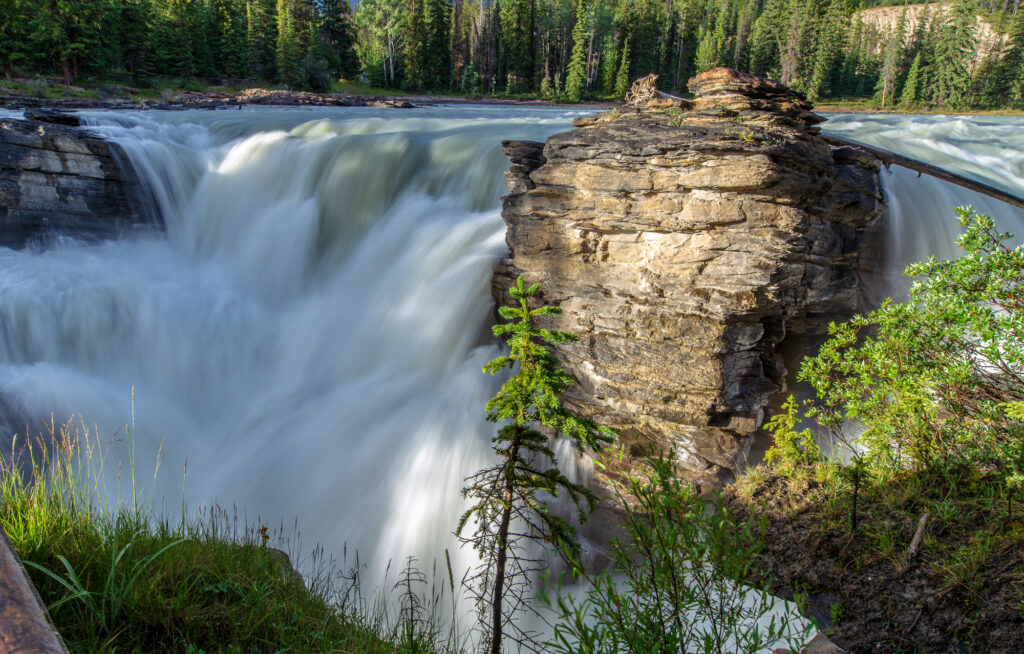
{"points": [[836, 613], [790, 448], [675, 116], [37, 88], [677, 583], [509, 499]]}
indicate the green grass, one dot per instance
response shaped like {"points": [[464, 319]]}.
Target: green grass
{"points": [[117, 579]]}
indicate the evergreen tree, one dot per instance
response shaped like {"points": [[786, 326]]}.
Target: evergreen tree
{"points": [[437, 56], [892, 63], [1006, 85], [828, 49], [13, 43], [954, 50], [622, 77], [337, 35], [136, 16], [288, 53], [261, 38], [514, 490], [576, 79], [516, 43], [909, 97], [415, 55]]}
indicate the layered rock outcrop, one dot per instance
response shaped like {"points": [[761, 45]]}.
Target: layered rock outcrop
{"points": [[684, 245], [55, 177]]}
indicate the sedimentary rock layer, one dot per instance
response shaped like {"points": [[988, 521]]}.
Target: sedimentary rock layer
{"points": [[684, 246], [58, 178]]}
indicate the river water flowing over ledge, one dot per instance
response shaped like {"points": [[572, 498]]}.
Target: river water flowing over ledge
{"points": [[308, 333]]}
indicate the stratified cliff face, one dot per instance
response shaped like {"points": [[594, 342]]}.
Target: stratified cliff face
{"points": [[57, 178], [684, 244]]}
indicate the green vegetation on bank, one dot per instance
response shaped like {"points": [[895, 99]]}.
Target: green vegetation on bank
{"points": [[117, 578], [950, 55], [924, 399]]}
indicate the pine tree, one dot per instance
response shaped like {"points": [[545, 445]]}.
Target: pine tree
{"points": [[414, 55], [828, 48], [622, 77], [909, 98], [954, 51], [337, 33], [576, 79], [13, 43], [67, 32], [288, 55], [516, 43], [1007, 83], [437, 55], [892, 63], [513, 490], [136, 15], [261, 38]]}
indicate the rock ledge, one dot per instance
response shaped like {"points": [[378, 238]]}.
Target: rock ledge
{"points": [[684, 247]]}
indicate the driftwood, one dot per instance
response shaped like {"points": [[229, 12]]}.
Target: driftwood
{"points": [[915, 542], [645, 93], [24, 623], [890, 158]]}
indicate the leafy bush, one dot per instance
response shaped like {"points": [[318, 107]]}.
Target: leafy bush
{"points": [[677, 581], [933, 380]]}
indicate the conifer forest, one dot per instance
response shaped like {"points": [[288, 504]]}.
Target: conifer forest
{"points": [[960, 54]]}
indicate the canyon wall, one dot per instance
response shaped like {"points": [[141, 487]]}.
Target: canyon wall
{"points": [[685, 241]]}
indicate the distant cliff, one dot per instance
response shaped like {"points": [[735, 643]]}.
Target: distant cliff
{"points": [[685, 242], [56, 177]]}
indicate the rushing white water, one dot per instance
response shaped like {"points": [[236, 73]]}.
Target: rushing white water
{"points": [[921, 221], [308, 333]]}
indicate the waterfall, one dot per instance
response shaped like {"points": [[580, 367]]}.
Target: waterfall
{"points": [[920, 221], [308, 333]]}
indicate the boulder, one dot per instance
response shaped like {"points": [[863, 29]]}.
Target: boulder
{"points": [[685, 247]]}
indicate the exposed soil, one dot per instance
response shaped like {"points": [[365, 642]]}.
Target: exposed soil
{"points": [[869, 602]]}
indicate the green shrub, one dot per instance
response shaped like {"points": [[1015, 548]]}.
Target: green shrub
{"points": [[677, 582], [790, 448], [929, 379]]}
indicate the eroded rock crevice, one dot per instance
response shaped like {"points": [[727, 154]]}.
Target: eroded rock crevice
{"points": [[685, 241]]}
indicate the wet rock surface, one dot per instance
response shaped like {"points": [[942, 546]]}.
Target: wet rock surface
{"points": [[56, 178], [684, 247]]}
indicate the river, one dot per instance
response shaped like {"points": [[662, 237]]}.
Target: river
{"points": [[304, 342]]}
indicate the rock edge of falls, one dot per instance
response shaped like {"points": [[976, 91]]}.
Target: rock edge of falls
{"points": [[58, 178]]}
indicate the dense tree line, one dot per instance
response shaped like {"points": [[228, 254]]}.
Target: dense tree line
{"points": [[295, 42], [556, 48]]}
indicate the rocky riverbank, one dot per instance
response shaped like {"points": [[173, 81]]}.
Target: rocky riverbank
{"points": [[686, 241], [209, 100]]}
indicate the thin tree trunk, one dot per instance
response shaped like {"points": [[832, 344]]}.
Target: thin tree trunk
{"points": [[502, 557], [67, 71]]}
